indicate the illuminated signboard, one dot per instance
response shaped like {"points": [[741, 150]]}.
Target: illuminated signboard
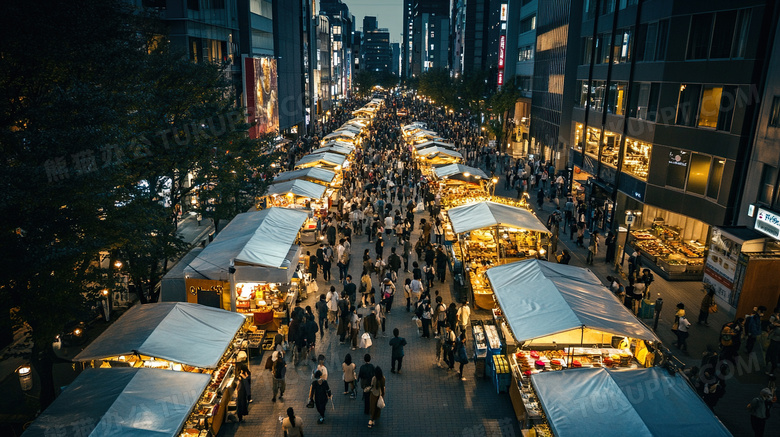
{"points": [[260, 89], [768, 223], [503, 12], [501, 50]]}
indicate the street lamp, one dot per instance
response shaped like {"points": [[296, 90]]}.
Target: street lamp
{"points": [[631, 216], [107, 304], [24, 372]]}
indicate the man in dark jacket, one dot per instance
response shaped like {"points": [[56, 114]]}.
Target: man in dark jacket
{"points": [[441, 263], [364, 375], [394, 263], [322, 314]]}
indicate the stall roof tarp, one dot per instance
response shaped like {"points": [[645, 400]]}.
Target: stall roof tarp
{"points": [[121, 402], [316, 173], [258, 239], [298, 187], [434, 143], [329, 158], [349, 128], [489, 214], [339, 144], [185, 333], [540, 298], [341, 150], [340, 133], [436, 150], [458, 169], [641, 402]]}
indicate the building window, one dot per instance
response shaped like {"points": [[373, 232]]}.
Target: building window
{"points": [[677, 169], [636, 161], [768, 179], [609, 150], [526, 53], [688, 104], [528, 24], [699, 36], [602, 49], [621, 49], [774, 113], [587, 50], [581, 95], [741, 33], [617, 98], [607, 6], [698, 172], [723, 34], [716, 174], [710, 106]]}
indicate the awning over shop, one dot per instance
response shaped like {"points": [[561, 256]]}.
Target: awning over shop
{"points": [[339, 144], [540, 298], [340, 150], [450, 170], [434, 143], [122, 402], [184, 333], [344, 134], [253, 239], [642, 402], [314, 173], [489, 214], [437, 150], [349, 128], [298, 187], [333, 159]]}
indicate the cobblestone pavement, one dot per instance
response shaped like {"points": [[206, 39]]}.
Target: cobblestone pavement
{"points": [[423, 399]]}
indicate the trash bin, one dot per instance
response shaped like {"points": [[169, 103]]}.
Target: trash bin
{"points": [[647, 310]]}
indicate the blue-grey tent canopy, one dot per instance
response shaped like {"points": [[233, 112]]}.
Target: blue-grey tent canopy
{"points": [[298, 187], [185, 333], [540, 298], [315, 174], [644, 402], [122, 402], [333, 159], [460, 171], [489, 214], [261, 243]]}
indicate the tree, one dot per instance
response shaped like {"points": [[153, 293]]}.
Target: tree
{"points": [[64, 131]]}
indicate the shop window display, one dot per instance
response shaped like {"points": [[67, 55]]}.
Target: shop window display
{"points": [[610, 149], [636, 161]]}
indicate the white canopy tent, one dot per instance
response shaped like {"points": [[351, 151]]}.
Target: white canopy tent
{"points": [[642, 402], [262, 243], [437, 150], [338, 149], [446, 171], [340, 144], [121, 402], [539, 299], [297, 187], [180, 332], [434, 143], [349, 128], [315, 174], [331, 159], [488, 214]]}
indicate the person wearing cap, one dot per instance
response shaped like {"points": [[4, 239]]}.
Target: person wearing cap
{"points": [[759, 411]]}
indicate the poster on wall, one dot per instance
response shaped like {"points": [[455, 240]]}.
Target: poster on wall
{"points": [[261, 94]]}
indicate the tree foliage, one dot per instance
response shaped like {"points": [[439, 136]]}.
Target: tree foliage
{"points": [[364, 81], [104, 132]]}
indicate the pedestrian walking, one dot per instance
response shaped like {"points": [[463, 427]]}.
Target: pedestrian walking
{"points": [[377, 392], [593, 247], [460, 354], [322, 314], [753, 327], [610, 243], [242, 401], [366, 375], [706, 304], [682, 333], [349, 376], [319, 394], [464, 317], [279, 372], [759, 411], [292, 426], [397, 355], [332, 300]]}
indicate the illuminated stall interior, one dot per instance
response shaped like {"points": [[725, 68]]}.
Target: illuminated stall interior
{"points": [[436, 155], [317, 175], [458, 182], [299, 194], [489, 234]]}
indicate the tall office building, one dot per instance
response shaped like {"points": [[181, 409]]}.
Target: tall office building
{"points": [[341, 23], [407, 33], [475, 35], [375, 46], [430, 35], [519, 67], [395, 61], [290, 35]]}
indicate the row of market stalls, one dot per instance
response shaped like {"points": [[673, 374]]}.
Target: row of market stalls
{"points": [[164, 369], [575, 361]]}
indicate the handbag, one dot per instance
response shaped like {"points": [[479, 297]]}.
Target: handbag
{"points": [[713, 308], [310, 404], [365, 340], [380, 403]]}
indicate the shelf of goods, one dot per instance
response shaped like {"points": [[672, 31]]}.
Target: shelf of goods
{"points": [[662, 247]]}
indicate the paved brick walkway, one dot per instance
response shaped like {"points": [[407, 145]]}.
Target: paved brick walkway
{"points": [[423, 400]]}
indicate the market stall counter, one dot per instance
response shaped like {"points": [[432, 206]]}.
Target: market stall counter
{"points": [[489, 234], [554, 317], [298, 194], [643, 402], [437, 155], [115, 402]]}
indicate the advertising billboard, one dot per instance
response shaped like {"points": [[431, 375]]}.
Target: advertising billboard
{"points": [[261, 94]]}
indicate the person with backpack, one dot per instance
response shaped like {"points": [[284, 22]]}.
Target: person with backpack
{"points": [[460, 354], [753, 327], [439, 315], [388, 293]]}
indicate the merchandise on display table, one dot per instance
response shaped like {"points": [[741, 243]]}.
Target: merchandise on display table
{"points": [[663, 246]]}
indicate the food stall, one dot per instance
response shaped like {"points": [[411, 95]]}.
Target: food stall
{"points": [[317, 175], [458, 181], [339, 147], [344, 136], [330, 161], [490, 234], [434, 143], [261, 247], [554, 316], [664, 249], [298, 194], [437, 155], [182, 337], [125, 401], [424, 136], [643, 402]]}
